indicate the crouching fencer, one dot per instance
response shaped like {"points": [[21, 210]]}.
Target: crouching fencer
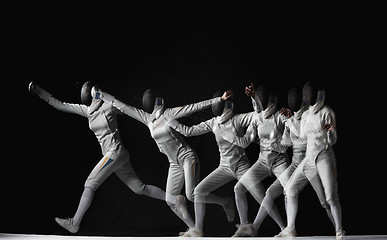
{"points": [[318, 128], [268, 126], [102, 118], [184, 163], [233, 161]]}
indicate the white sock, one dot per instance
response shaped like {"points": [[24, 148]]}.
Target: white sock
{"points": [[336, 214], [291, 211], [242, 206], [84, 204], [200, 211]]}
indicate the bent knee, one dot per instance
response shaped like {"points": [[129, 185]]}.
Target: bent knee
{"points": [[199, 192], [190, 197], [290, 192], [170, 200], [332, 201], [325, 205], [138, 187], [273, 193], [239, 188], [93, 185]]}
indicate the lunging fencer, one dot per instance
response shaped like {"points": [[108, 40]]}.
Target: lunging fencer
{"points": [[102, 118], [318, 128], [184, 163], [233, 161], [267, 126]]}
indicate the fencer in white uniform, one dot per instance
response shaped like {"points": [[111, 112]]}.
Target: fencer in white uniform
{"points": [[184, 163], [318, 128], [102, 118], [233, 161], [290, 138], [268, 126]]}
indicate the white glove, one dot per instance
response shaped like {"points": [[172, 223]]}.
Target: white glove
{"points": [[36, 89], [99, 94]]}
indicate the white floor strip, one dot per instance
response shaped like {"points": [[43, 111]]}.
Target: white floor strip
{"points": [[59, 237]]}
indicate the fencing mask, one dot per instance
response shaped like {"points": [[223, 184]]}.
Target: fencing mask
{"points": [[228, 112], [297, 103], [320, 101], [271, 106], [148, 101], [261, 93], [86, 93], [218, 108], [294, 99], [152, 104], [223, 109], [309, 94], [268, 102]]}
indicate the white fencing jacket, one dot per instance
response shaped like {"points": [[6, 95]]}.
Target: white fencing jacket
{"points": [[269, 131], [101, 115], [168, 140], [291, 136], [230, 154], [311, 129]]}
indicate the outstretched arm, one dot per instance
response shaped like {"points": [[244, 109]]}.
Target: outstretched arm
{"points": [[179, 112], [79, 109], [138, 114], [199, 129]]}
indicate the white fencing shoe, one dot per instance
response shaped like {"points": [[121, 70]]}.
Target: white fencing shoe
{"points": [[340, 234], [245, 230], [193, 233], [67, 224], [287, 233]]}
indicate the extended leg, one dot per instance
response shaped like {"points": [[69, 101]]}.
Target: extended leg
{"points": [[105, 167], [129, 177], [72, 224], [84, 204]]}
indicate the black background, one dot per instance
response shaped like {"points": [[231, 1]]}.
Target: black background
{"points": [[187, 55]]}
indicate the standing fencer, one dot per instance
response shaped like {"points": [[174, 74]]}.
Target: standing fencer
{"points": [[233, 161], [318, 128], [184, 163], [268, 126], [102, 118], [290, 137]]}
